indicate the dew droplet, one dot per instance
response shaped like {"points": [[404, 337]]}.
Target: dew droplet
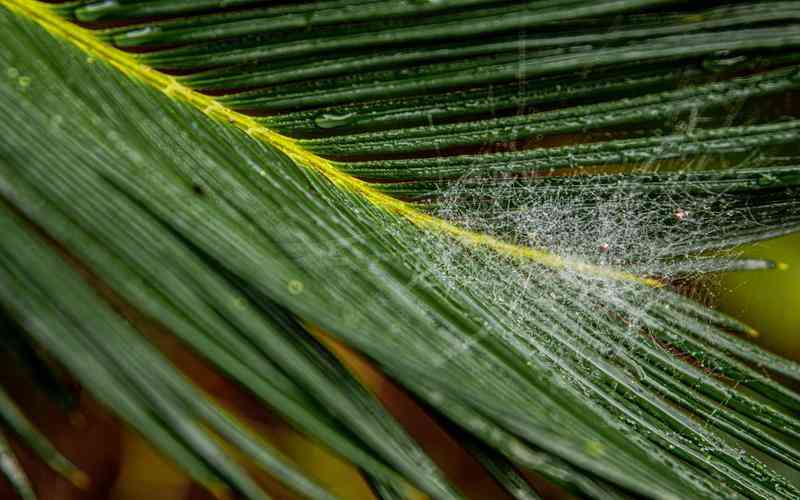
{"points": [[766, 180], [24, 81], [330, 120], [595, 448], [100, 6], [137, 33], [295, 287]]}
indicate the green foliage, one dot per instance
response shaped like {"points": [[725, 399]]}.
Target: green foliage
{"points": [[603, 384]]}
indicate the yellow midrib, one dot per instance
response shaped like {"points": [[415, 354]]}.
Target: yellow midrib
{"points": [[128, 64]]}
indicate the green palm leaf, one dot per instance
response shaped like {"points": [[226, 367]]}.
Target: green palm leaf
{"points": [[487, 199]]}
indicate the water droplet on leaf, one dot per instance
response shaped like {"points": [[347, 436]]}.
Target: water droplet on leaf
{"points": [[295, 287], [330, 120]]}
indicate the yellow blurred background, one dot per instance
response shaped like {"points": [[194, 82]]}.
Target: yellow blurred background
{"points": [[767, 300]]}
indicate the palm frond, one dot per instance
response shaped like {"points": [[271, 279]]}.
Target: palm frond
{"points": [[401, 213], [12, 470]]}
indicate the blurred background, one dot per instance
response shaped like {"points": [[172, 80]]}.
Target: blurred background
{"points": [[769, 301]]}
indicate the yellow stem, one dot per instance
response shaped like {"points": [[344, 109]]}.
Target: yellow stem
{"points": [[128, 64]]}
